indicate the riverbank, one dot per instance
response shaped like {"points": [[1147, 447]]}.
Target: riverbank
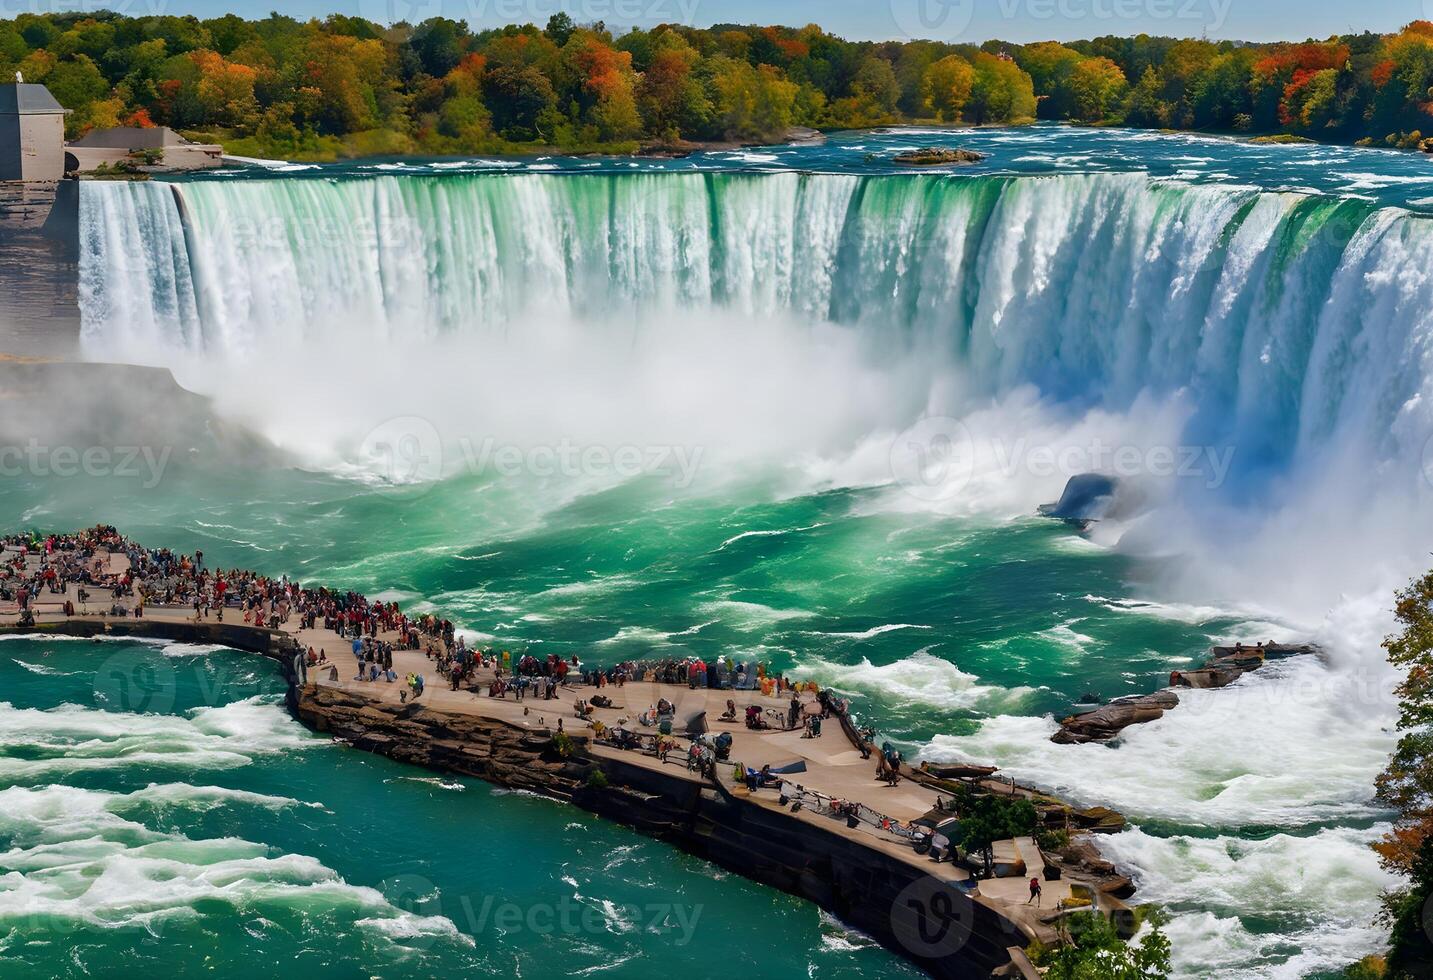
{"points": [[864, 871]]}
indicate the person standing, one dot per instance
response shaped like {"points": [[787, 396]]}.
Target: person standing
{"points": [[1034, 892]]}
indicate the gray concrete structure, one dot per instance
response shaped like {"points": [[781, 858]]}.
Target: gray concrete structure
{"points": [[32, 134], [123, 143]]}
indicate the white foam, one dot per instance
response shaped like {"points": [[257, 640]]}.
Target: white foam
{"points": [[73, 857], [1286, 745], [1177, 612], [203, 798], [1066, 639], [776, 532], [750, 615], [70, 739], [44, 670], [438, 781], [408, 926], [874, 631], [922, 678], [1321, 888]]}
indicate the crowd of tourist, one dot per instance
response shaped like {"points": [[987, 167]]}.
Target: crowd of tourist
{"points": [[159, 577], [34, 569]]}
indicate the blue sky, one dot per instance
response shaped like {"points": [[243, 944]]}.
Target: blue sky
{"points": [[962, 20]]}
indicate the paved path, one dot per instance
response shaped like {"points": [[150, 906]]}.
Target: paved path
{"points": [[834, 767]]}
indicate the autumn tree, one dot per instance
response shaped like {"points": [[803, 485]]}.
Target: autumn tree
{"points": [[748, 102], [1402, 81], [1288, 87], [223, 91], [601, 86], [344, 85], [670, 98], [1406, 786], [463, 116], [947, 87], [1096, 85]]}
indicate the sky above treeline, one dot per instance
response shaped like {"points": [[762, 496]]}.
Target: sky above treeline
{"points": [[963, 21]]}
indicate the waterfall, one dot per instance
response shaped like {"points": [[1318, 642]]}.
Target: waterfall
{"points": [[1290, 319]]}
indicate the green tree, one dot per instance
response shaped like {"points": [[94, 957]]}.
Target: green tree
{"points": [[1050, 66], [986, 819], [440, 44], [77, 82], [876, 83], [748, 103], [560, 28], [1221, 93], [518, 97], [1096, 952], [1144, 106], [1001, 92]]}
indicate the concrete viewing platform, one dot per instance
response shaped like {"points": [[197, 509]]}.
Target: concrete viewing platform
{"points": [[866, 871]]}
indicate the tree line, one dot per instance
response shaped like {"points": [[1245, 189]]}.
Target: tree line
{"points": [[1406, 787], [346, 86]]}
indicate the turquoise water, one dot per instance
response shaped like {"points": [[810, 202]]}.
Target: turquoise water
{"points": [[998, 624], [876, 379], [210, 834], [1389, 177]]}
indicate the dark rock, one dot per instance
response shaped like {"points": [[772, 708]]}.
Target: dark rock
{"points": [[1109, 720], [1118, 885], [938, 156], [1095, 497]]}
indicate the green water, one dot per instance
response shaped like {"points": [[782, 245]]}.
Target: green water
{"points": [[380, 870], [820, 582]]}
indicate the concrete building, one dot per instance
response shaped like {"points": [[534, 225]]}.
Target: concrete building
{"points": [[167, 149], [32, 134]]}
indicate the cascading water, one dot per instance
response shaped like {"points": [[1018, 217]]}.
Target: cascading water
{"points": [[808, 318], [1290, 320]]}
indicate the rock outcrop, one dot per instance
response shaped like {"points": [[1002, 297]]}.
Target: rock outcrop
{"points": [[1090, 497], [1230, 663], [947, 933], [938, 156], [1107, 721], [1227, 665]]}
